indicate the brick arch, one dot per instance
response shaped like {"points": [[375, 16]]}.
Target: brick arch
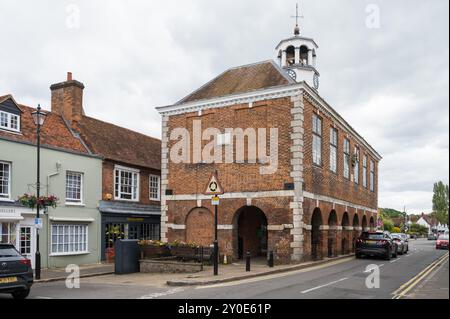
{"points": [[316, 234], [345, 220], [364, 222], [332, 218], [333, 238], [345, 240], [372, 223], [200, 226], [250, 231], [355, 223]]}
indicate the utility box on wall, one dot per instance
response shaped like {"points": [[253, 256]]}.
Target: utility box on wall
{"points": [[127, 256]]}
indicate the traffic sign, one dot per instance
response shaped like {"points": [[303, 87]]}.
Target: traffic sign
{"points": [[38, 223], [214, 187], [215, 200]]}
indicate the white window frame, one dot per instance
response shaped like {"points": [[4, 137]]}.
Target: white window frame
{"points": [[356, 153], [364, 177], [127, 170], [347, 166], [68, 253], [9, 117], [73, 201], [317, 140], [372, 176], [334, 140], [8, 198], [158, 197]]}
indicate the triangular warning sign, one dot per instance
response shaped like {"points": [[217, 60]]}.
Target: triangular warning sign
{"points": [[214, 187]]}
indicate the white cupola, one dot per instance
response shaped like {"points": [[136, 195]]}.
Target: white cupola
{"points": [[298, 56]]}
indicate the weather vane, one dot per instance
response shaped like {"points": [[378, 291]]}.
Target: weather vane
{"points": [[297, 29]]}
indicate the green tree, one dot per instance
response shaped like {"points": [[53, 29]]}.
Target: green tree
{"points": [[418, 230], [388, 225], [441, 202]]}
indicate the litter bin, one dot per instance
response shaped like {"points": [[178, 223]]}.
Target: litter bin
{"points": [[127, 256]]}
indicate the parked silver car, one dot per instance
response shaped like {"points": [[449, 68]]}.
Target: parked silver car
{"points": [[402, 244]]}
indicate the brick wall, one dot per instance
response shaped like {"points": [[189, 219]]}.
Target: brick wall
{"points": [[235, 177], [108, 181], [320, 179]]}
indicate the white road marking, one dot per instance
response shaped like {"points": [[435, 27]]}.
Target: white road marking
{"points": [[393, 261], [369, 270], [42, 297], [162, 294], [322, 286], [268, 277]]}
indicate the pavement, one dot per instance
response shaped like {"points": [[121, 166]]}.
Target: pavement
{"points": [[60, 274], [343, 278]]}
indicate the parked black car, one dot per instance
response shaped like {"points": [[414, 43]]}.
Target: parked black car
{"points": [[376, 244], [16, 274]]}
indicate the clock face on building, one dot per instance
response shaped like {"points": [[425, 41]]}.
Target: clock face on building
{"points": [[292, 74], [316, 81]]}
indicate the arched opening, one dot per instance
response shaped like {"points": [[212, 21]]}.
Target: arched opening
{"points": [[372, 223], [344, 241], [290, 55], [316, 236], [355, 230], [251, 232], [304, 55], [332, 223], [364, 223], [200, 226]]}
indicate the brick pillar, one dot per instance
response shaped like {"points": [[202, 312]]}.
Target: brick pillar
{"points": [[324, 243]]}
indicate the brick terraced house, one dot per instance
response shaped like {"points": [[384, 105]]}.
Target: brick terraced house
{"points": [[130, 201], [324, 189]]}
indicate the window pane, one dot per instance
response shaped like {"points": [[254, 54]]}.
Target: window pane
{"points": [[4, 180]]}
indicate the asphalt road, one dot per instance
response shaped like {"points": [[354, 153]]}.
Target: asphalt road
{"points": [[345, 279]]}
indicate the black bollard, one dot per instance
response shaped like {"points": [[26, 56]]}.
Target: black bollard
{"points": [[247, 261], [270, 260]]}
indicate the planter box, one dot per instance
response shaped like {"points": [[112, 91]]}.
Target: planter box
{"points": [[168, 266], [152, 251], [184, 252]]}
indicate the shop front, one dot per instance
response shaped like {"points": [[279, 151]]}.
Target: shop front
{"points": [[127, 221], [17, 228]]}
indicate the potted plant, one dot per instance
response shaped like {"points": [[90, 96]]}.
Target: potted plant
{"points": [[153, 249]]}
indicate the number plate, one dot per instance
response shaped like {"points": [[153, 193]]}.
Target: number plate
{"points": [[8, 280]]}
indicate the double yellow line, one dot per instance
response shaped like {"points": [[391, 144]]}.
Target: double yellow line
{"points": [[405, 288]]}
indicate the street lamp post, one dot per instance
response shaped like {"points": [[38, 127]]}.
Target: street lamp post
{"points": [[39, 119]]}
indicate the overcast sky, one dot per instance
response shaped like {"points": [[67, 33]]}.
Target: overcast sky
{"points": [[390, 82]]}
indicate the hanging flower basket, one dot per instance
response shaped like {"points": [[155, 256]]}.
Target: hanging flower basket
{"points": [[32, 201]]}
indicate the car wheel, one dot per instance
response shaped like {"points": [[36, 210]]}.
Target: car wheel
{"points": [[21, 294], [395, 254], [388, 254]]}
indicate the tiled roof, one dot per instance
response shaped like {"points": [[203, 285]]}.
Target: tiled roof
{"points": [[119, 144], [54, 133], [241, 79]]}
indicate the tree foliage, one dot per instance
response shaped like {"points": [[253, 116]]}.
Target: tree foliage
{"points": [[441, 202]]}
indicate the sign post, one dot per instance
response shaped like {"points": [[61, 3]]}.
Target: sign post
{"points": [[214, 188]]}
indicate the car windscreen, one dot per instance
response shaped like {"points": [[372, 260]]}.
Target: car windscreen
{"points": [[8, 252], [372, 235], [443, 237], [396, 236]]}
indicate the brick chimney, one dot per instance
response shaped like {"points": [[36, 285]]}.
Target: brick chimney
{"points": [[67, 99]]}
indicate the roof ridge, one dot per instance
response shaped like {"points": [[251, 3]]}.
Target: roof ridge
{"points": [[121, 127]]}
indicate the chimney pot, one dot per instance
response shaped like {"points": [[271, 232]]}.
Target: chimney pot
{"points": [[69, 76]]}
